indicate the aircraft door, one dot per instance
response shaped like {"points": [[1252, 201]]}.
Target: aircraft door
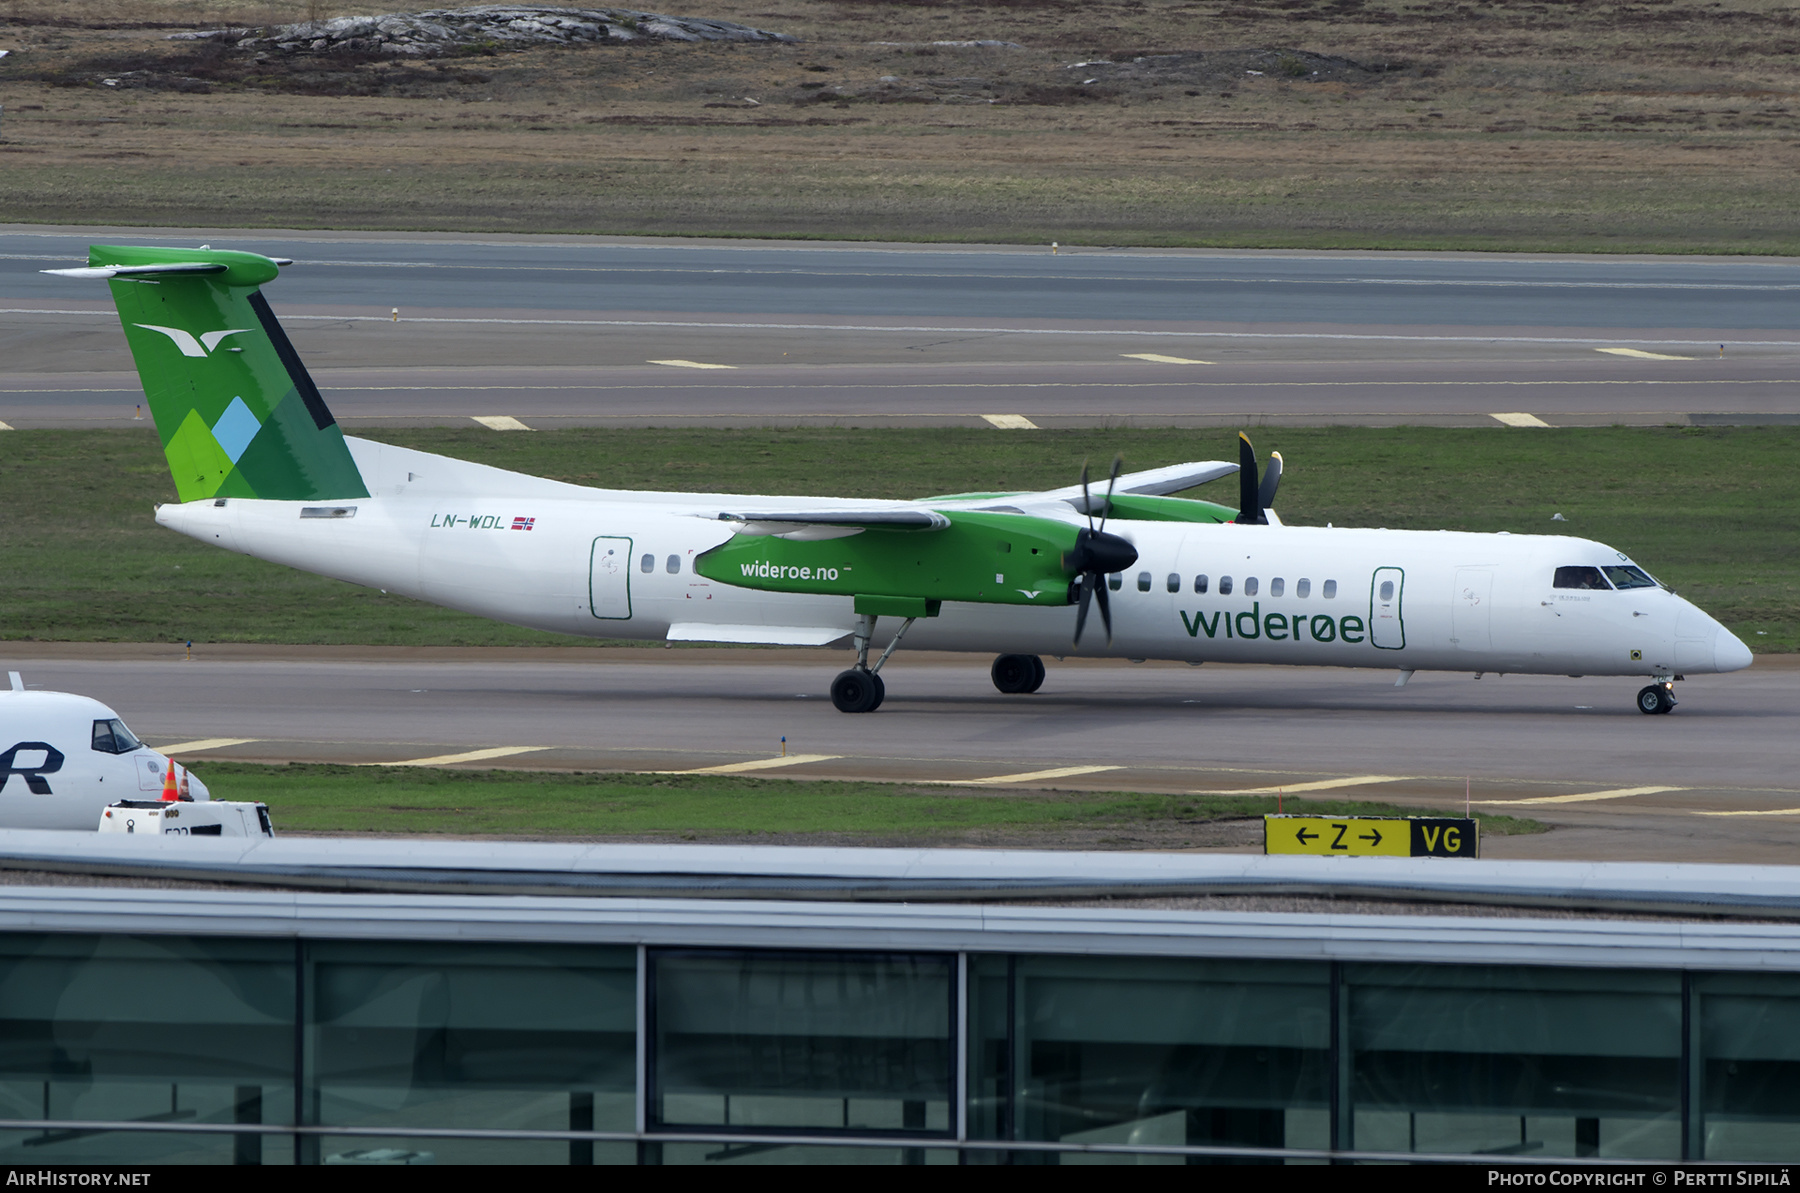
{"points": [[1387, 629], [609, 579], [1472, 609]]}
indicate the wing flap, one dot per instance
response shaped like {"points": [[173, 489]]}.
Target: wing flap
{"points": [[756, 635]]}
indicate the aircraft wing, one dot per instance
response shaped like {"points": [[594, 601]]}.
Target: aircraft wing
{"points": [[1152, 482], [831, 523]]}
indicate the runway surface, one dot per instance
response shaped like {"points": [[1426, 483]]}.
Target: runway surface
{"points": [[1710, 782], [592, 331]]}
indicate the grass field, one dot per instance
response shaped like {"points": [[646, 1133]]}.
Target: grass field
{"points": [[1709, 510], [312, 798], [1646, 125]]}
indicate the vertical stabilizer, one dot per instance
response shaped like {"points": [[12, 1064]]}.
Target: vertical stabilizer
{"points": [[237, 413]]}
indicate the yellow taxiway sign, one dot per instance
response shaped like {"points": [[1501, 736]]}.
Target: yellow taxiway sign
{"points": [[1358, 836]]}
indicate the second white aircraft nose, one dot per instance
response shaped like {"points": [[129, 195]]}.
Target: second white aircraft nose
{"points": [[1729, 652]]}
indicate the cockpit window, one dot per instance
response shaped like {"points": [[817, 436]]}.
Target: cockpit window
{"points": [[1582, 577], [1629, 577], [111, 737]]}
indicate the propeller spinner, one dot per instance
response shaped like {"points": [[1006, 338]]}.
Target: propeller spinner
{"points": [[1096, 555]]}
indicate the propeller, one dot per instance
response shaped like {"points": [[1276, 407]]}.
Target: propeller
{"points": [[1096, 555], [1271, 481], [1253, 499]]}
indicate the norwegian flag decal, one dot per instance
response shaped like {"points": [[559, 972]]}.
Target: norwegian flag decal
{"points": [[523, 523]]}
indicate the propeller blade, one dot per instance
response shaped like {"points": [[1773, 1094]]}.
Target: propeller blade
{"points": [[1105, 609], [1087, 502], [1249, 500], [1087, 591], [1106, 510], [1271, 481]]}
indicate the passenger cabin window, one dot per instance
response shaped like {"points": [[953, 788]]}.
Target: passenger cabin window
{"points": [[1276, 585], [647, 564], [1629, 577], [1250, 586], [1143, 581], [1115, 581], [1303, 588], [1330, 589], [1387, 590], [1199, 583], [111, 737], [674, 564], [1224, 585], [1585, 578], [1174, 582]]}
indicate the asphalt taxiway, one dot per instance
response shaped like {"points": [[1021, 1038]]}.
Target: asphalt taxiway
{"points": [[597, 331], [1712, 781]]}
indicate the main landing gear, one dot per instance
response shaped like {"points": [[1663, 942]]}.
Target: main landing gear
{"points": [[1659, 697], [860, 689], [1018, 674]]}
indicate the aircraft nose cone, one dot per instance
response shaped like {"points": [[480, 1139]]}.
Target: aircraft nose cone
{"points": [[1729, 652]]}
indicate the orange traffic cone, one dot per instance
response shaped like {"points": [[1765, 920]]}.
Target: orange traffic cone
{"points": [[186, 797], [169, 791]]}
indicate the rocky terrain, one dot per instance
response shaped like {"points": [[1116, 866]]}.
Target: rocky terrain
{"points": [[440, 31], [1645, 125]]}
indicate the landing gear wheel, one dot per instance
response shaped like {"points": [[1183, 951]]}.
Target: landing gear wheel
{"points": [[856, 690], [1018, 674], [880, 691], [1655, 699]]}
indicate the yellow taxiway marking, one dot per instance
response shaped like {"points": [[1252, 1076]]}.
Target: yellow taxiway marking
{"points": [[689, 364], [467, 756], [1520, 419], [1757, 812], [500, 422], [1319, 785], [205, 743], [738, 768], [1641, 355], [1159, 358], [1584, 797], [1010, 422], [1032, 776]]}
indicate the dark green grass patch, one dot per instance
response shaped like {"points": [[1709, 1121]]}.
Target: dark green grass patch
{"points": [[316, 798], [1709, 510]]}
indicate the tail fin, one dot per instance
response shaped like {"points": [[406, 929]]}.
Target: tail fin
{"points": [[236, 411]]}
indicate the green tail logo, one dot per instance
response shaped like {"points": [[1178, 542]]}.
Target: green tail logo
{"points": [[237, 413]]}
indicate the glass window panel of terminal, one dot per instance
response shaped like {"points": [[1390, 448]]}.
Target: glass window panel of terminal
{"points": [[1749, 1043], [1535, 1061], [431, 1034], [813, 1042], [168, 1029], [1150, 1051]]}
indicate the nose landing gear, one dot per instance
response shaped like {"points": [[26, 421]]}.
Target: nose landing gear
{"points": [[1659, 697], [1018, 674]]}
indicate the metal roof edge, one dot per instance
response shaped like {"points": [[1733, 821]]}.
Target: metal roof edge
{"points": [[866, 927]]}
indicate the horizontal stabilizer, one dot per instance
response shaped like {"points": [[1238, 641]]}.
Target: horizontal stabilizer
{"points": [[133, 271], [758, 635]]}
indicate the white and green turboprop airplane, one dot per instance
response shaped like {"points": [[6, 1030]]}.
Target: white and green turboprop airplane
{"points": [[262, 468]]}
